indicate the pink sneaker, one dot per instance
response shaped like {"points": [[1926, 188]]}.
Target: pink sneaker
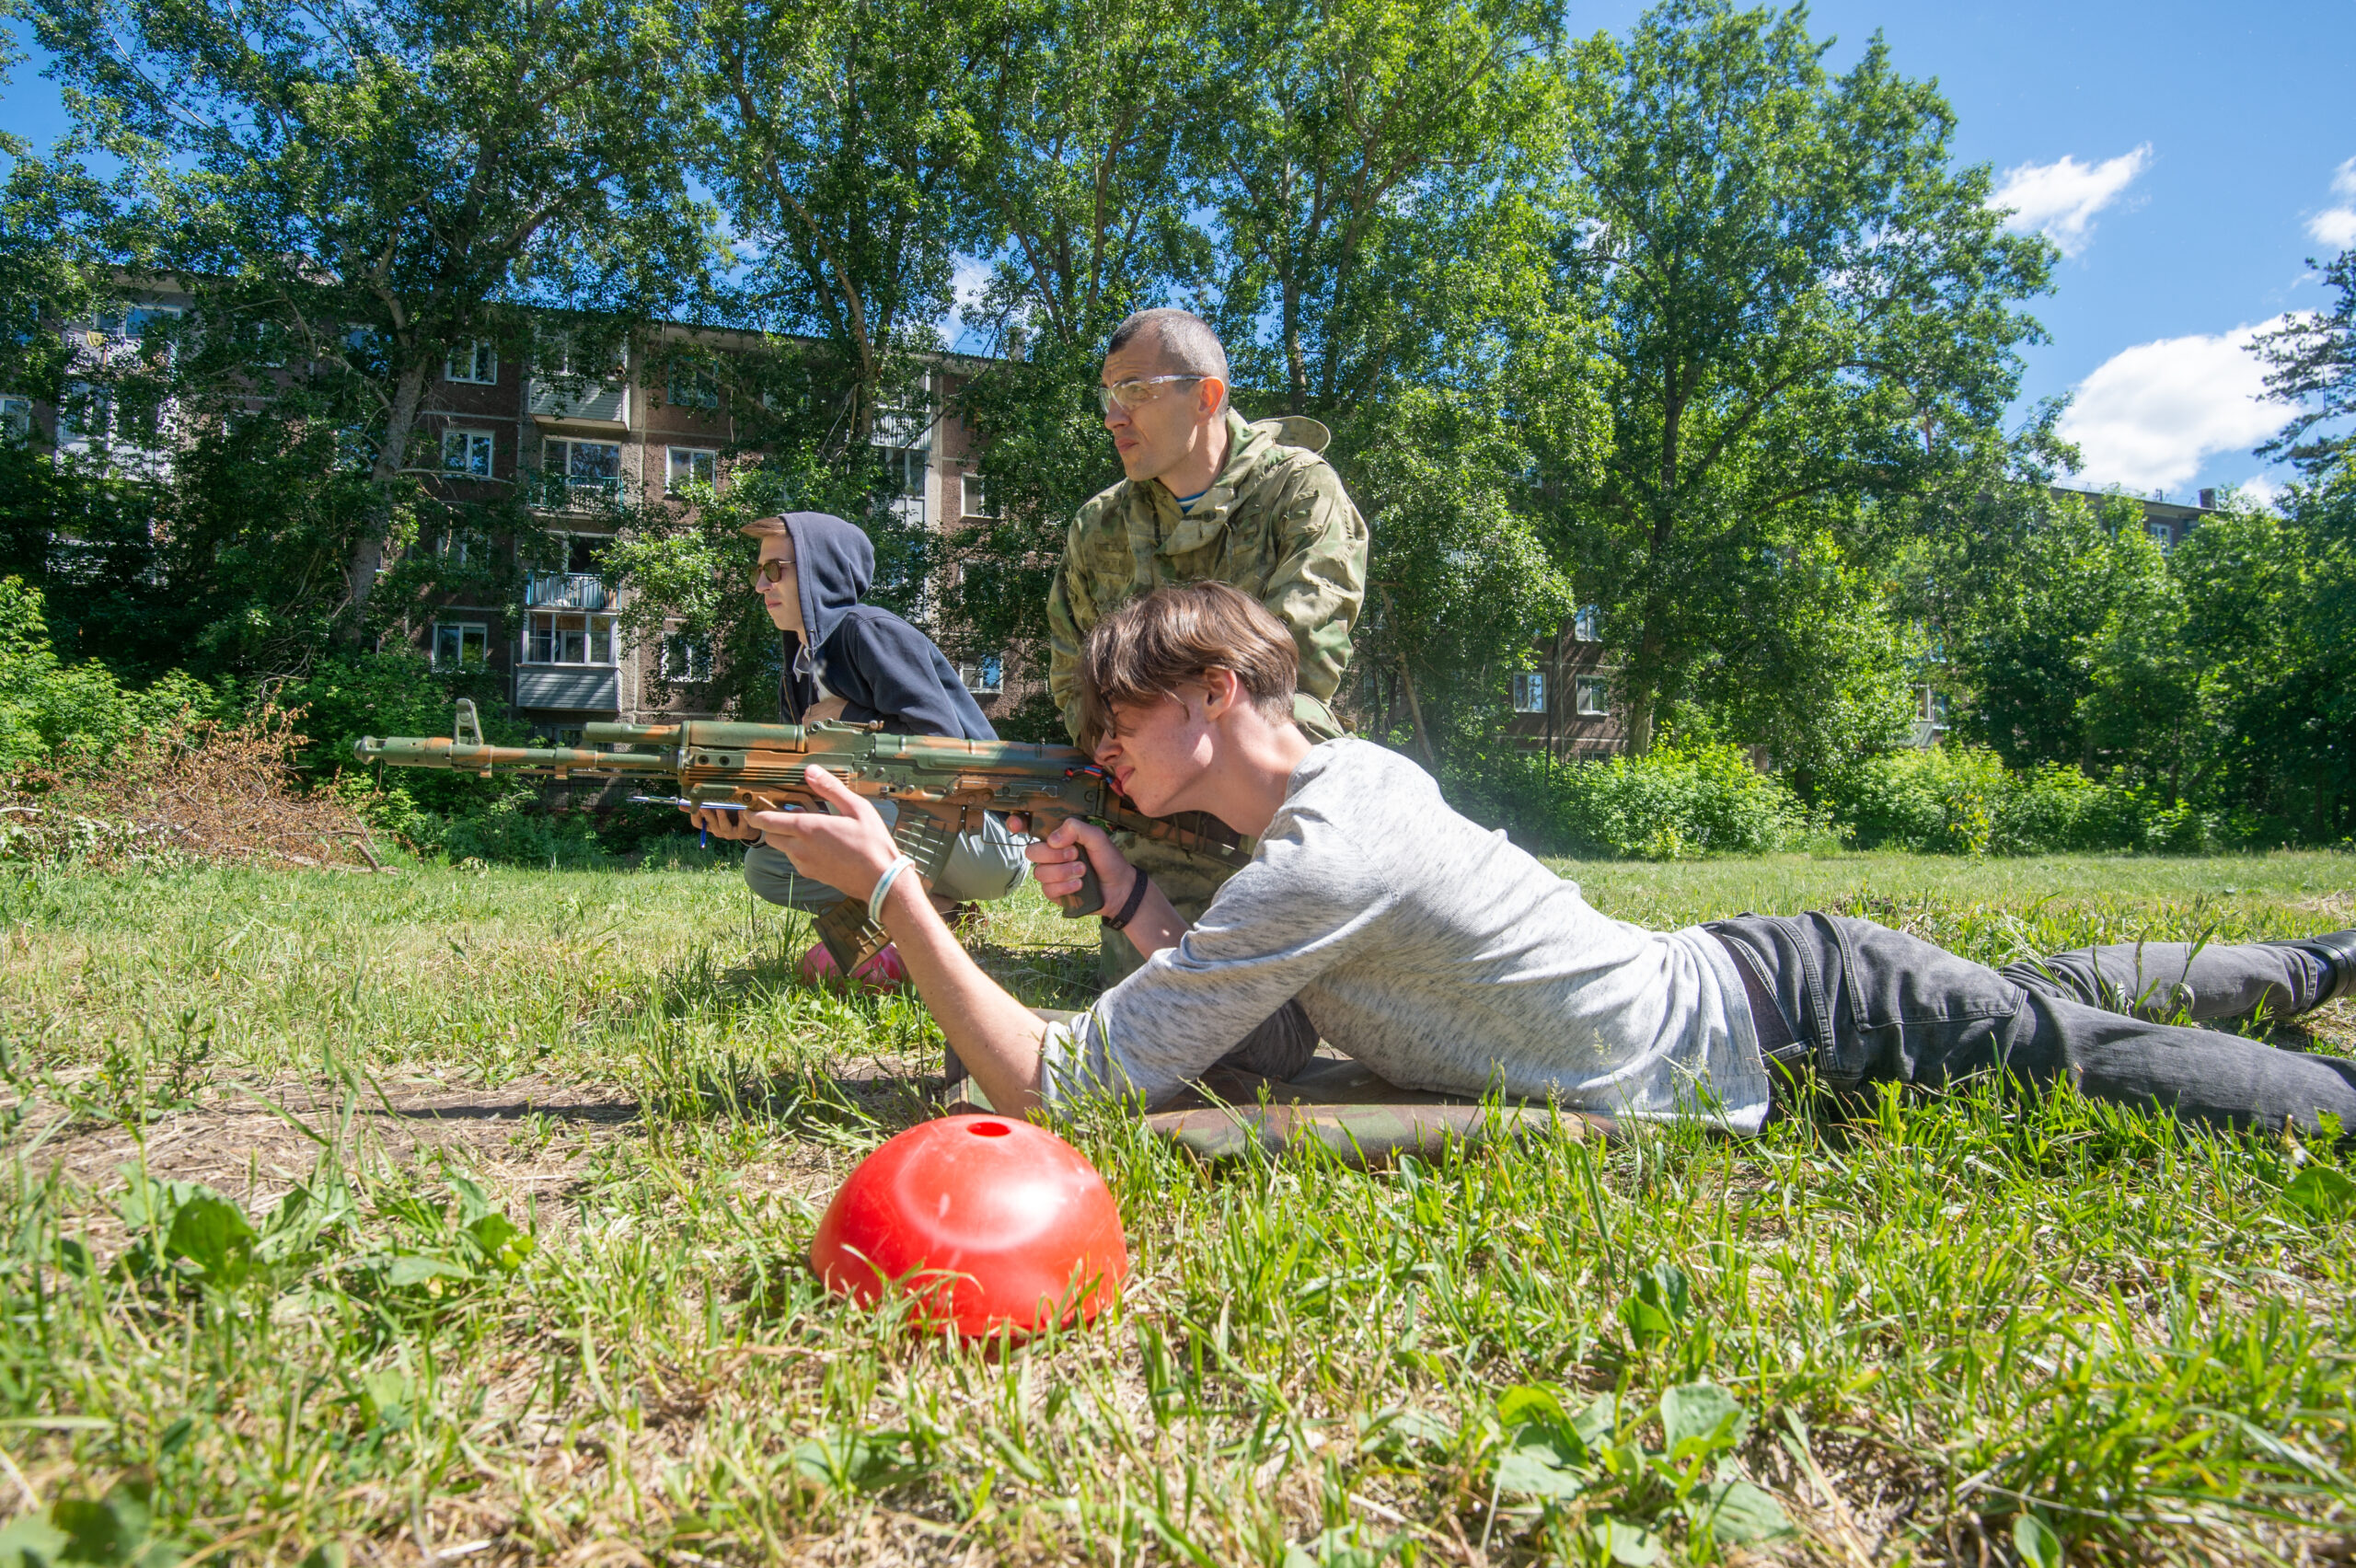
{"points": [[885, 972]]}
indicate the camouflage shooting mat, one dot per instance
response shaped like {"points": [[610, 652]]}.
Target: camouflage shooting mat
{"points": [[1358, 1117]]}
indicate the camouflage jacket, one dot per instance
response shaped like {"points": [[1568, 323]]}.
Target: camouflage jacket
{"points": [[1275, 523]]}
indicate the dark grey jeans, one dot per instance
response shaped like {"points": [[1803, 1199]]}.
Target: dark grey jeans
{"points": [[1859, 1003]]}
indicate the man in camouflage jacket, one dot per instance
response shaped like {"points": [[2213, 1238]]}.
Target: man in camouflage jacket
{"points": [[1208, 496]]}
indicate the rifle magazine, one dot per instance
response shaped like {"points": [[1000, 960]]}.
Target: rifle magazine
{"points": [[852, 939]]}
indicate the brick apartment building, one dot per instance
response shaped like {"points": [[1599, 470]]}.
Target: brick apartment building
{"points": [[582, 439]]}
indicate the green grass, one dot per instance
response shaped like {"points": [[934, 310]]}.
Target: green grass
{"points": [[582, 1328]]}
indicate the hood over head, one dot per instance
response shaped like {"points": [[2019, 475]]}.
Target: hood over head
{"points": [[835, 562]]}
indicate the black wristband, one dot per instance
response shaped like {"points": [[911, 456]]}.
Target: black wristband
{"points": [[1128, 911]]}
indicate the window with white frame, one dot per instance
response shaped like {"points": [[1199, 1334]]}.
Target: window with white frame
{"points": [[587, 364], [462, 548], [692, 465], [1530, 691], [686, 658], [2163, 534], [977, 500], [907, 466], [566, 637], [579, 473], [692, 387], [1594, 696], [467, 452], [477, 363], [88, 412], [143, 322], [1587, 625], [984, 677], [15, 419], [461, 645]]}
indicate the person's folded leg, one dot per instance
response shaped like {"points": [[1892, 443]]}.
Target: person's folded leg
{"points": [[984, 865], [2202, 981], [772, 877], [1872, 1004]]}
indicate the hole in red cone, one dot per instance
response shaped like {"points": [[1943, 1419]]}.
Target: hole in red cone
{"points": [[988, 1129]]}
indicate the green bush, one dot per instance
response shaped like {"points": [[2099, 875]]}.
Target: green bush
{"points": [[1675, 803], [1960, 800], [1681, 802], [517, 830], [50, 711]]}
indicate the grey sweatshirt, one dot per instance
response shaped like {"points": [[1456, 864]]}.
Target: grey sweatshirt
{"points": [[1437, 955]]}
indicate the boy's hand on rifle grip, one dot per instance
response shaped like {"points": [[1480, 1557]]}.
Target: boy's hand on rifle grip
{"points": [[1060, 859]]}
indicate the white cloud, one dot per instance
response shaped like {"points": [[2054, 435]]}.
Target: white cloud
{"points": [[2259, 491], [2060, 200], [2335, 227], [2149, 416]]}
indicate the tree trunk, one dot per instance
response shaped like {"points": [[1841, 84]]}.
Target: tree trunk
{"points": [[368, 551], [1643, 692], [1416, 716]]}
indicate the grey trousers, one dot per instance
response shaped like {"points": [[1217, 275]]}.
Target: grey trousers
{"points": [[1858, 1003]]}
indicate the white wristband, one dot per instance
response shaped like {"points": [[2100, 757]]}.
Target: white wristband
{"points": [[883, 887]]}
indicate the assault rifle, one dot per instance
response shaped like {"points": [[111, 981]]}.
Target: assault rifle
{"points": [[941, 786]]}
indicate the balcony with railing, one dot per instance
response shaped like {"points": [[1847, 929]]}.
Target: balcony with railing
{"points": [[580, 400], [567, 591]]}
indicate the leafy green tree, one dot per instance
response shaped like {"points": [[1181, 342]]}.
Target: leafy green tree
{"points": [[1805, 305], [2311, 363], [1461, 586], [357, 193], [834, 134], [1352, 152], [1079, 186], [2020, 584]]}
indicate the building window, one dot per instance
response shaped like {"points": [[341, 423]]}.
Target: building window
{"points": [[686, 658], [1933, 709], [984, 677], [467, 452], [691, 464], [1587, 625], [977, 500], [88, 413], [905, 467], [15, 419], [584, 473], [1594, 694], [566, 638], [2162, 535], [587, 363], [461, 645], [477, 363], [692, 387], [1530, 691], [461, 549]]}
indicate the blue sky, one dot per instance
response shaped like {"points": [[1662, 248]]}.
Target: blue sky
{"points": [[2202, 142], [2188, 157]]}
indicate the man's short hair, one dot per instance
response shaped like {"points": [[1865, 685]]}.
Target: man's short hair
{"points": [[765, 528], [1175, 636], [1181, 340]]}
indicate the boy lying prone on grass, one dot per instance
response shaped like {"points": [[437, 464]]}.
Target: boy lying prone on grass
{"points": [[1442, 958]]}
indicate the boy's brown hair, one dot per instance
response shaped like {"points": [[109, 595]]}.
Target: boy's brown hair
{"points": [[1175, 636]]}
